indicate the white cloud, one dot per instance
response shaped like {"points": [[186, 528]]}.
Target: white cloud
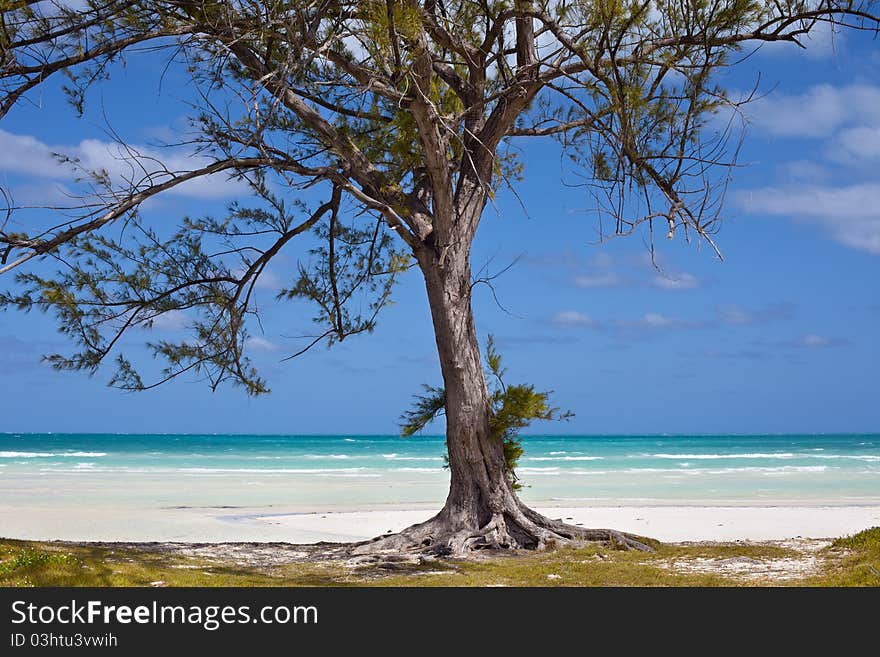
{"points": [[803, 171], [42, 193], [605, 271], [600, 279], [602, 260], [600, 271], [822, 41], [851, 214], [813, 341], [739, 316], [573, 319], [857, 144], [846, 119], [257, 343], [649, 325], [818, 112], [27, 155], [735, 315], [808, 341], [173, 320], [676, 282], [655, 322], [268, 280]]}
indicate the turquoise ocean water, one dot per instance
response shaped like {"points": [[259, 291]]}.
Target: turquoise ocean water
{"points": [[354, 469]]}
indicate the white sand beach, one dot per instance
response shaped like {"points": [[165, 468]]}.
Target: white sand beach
{"points": [[667, 523]]}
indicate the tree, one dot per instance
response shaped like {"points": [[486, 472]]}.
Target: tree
{"points": [[402, 114]]}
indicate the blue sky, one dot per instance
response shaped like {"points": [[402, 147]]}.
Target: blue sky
{"points": [[780, 337]]}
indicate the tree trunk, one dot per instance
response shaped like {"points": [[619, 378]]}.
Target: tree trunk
{"points": [[479, 488], [482, 510]]}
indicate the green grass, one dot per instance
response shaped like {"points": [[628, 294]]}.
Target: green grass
{"points": [[849, 561], [28, 563], [853, 561]]}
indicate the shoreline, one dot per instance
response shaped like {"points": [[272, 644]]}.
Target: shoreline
{"points": [[677, 522]]}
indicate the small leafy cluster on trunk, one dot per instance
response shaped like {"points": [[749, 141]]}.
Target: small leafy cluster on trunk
{"points": [[514, 407]]}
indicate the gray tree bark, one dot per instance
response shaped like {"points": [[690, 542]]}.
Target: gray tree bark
{"points": [[482, 510]]}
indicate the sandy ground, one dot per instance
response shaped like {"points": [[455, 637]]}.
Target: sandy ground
{"points": [[665, 523], [211, 524]]}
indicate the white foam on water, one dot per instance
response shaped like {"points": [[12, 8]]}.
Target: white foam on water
{"points": [[690, 472], [268, 470], [793, 469], [770, 455], [353, 475], [413, 458], [759, 455], [538, 471], [564, 458], [37, 455], [854, 457], [782, 469]]}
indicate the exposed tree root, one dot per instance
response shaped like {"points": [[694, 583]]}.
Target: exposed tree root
{"points": [[518, 528]]}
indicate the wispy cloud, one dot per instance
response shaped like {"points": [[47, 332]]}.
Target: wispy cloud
{"points": [[803, 172], [845, 121], [676, 281], [600, 279], [735, 354], [573, 319], [656, 323], [603, 270], [28, 156], [535, 338], [17, 355], [850, 214], [824, 40], [258, 343], [173, 320], [806, 341], [859, 144], [268, 279], [813, 341], [647, 325], [819, 112], [738, 316]]}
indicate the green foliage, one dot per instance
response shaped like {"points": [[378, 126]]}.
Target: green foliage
{"points": [[853, 561], [514, 407], [389, 103], [348, 261], [201, 281], [425, 409], [865, 540]]}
